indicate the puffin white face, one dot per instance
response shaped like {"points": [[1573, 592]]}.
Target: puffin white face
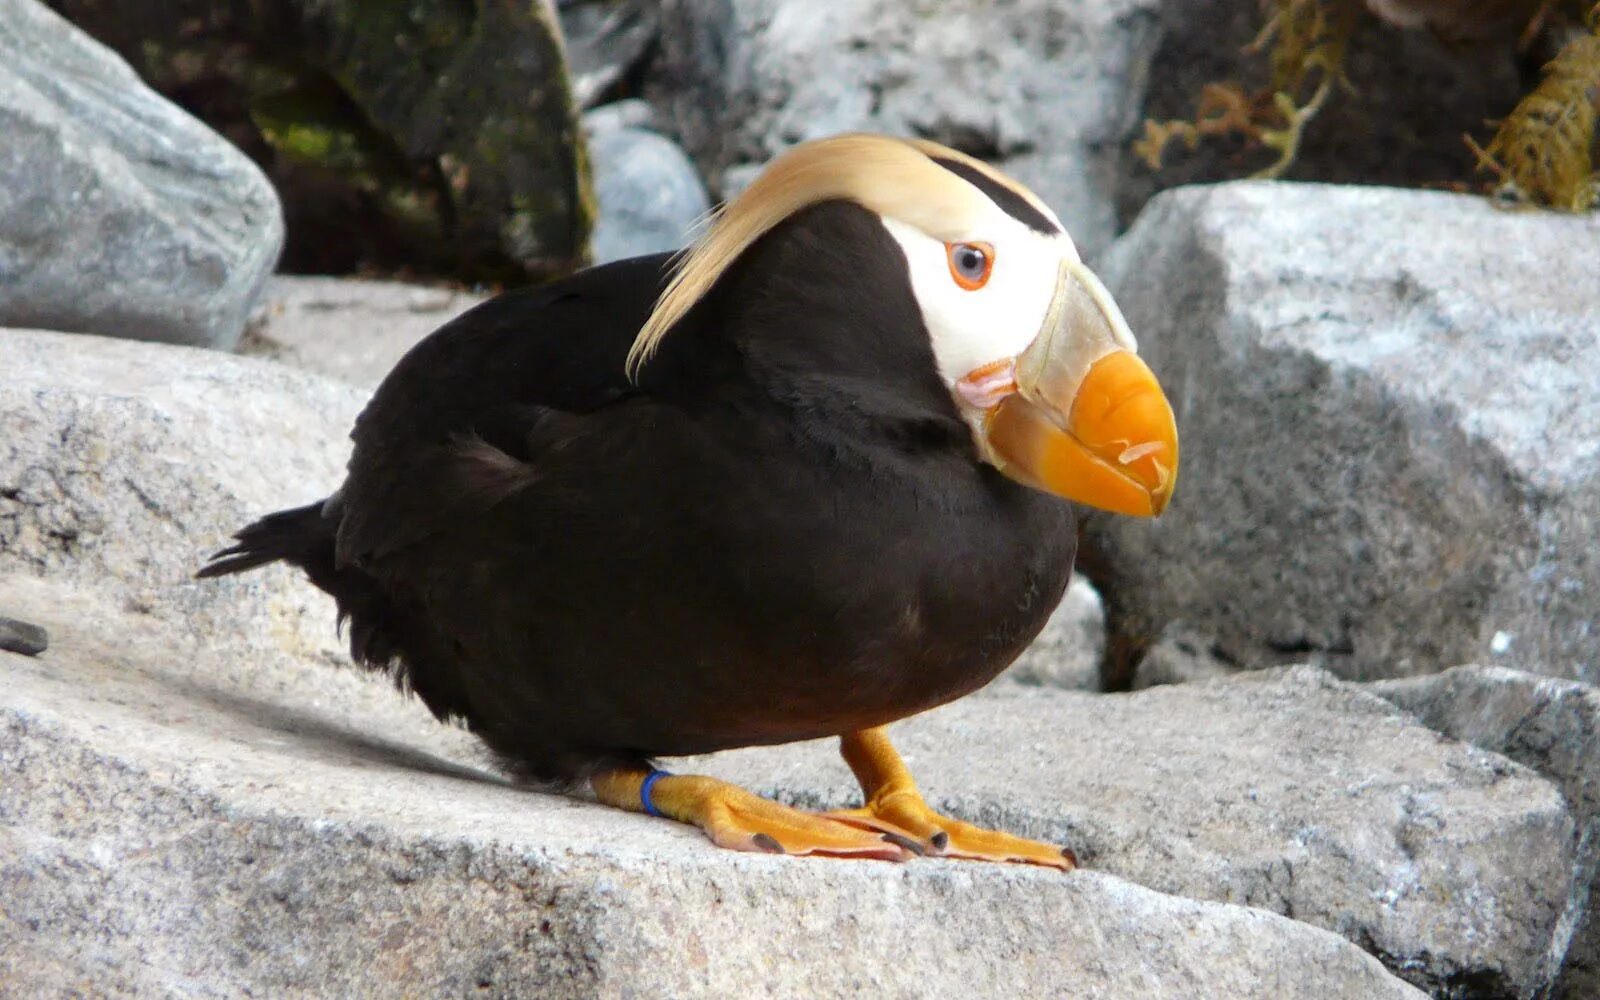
{"points": [[984, 295]]}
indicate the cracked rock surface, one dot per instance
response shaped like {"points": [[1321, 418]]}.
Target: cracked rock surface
{"points": [[122, 464], [1551, 726], [1389, 430]]}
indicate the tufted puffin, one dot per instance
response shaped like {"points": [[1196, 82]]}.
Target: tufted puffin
{"points": [[805, 478]]}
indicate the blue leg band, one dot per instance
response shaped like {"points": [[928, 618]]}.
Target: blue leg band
{"points": [[644, 791]]}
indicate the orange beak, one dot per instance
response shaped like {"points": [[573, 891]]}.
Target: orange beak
{"points": [[1088, 421]]}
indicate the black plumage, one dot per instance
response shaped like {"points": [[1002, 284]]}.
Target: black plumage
{"points": [[782, 531]]}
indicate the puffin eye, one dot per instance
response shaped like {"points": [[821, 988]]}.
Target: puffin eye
{"points": [[970, 264]]}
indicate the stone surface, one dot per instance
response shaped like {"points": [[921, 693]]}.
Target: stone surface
{"points": [[607, 41], [184, 820], [1288, 791], [648, 192], [348, 329], [1413, 98], [1391, 439], [1549, 725], [123, 464], [633, 112], [1180, 654], [1049, 91], [22, 637], [119, 213], [1068, 652]]}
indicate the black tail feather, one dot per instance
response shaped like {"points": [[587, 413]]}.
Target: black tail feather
{"points": [[299, 537], [386, 633], [305, 539]]}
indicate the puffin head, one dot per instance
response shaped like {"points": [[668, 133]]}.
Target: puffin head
{"points": [[1035, 353]]}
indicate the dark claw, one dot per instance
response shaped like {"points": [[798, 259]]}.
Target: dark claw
{"points": [[907, 843], [1072, 859], [939, 841], [767, 842]]}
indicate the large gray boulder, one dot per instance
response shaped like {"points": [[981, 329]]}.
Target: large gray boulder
{"points": [[119, 213], [1387, 407], [1047, 90], [203, 801], [1551, 726], [182, 819], [123, 464], [1288, 791], [607, 41]]}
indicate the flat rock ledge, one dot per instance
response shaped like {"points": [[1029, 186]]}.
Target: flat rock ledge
{"points": [[178, 823]]}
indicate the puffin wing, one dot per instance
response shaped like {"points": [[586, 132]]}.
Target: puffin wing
{"points": [[461, 421]]}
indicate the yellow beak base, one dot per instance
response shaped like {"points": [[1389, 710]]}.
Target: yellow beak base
{"points": [[1117, 450]]}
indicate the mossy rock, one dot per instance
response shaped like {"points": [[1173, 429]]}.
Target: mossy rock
{"points": [[426, 135]]}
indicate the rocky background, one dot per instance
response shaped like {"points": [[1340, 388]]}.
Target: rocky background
{"points": [[1326, 729]]}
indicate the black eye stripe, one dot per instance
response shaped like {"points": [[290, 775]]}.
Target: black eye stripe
{"points": [[1010, 202]]}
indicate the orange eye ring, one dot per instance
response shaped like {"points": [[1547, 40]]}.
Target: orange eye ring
{"points": [[970, 263]]}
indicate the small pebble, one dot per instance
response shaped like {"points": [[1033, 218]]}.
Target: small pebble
{"points": [[22, 637]]}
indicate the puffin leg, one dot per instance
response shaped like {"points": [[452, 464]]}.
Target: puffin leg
{"points": [[744, 821], [894, 803]]}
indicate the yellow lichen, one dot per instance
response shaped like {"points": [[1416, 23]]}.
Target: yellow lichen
{"points": [[1543, 152]]}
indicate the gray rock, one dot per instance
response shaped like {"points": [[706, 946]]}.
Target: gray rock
{"points": [[1047, 90], [1551, 726], [1288, 791], [22, 637], [182, 819], [1068, 652], [1388, 420], [648, 191], [606, 40], [119, 213], [348, 329], [123, 464], [634, 112], [1180, 654]]}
